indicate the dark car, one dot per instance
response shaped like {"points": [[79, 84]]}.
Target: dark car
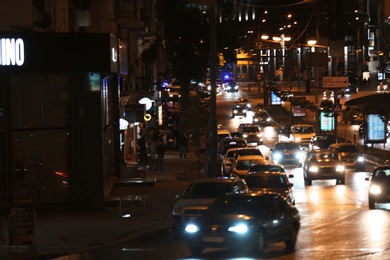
{"points": [[351, 89], [323, 165], [244, 102], [350, 155], [287, 153], [239, 110], [266, 168], [379, 189], [252, 134], [248, 221], [199, 195], [231, 86], [322, 141], [274, 181], [262, 118], [232, 142]]}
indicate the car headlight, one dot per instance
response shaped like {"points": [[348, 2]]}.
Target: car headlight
{"points": [[297, 139], [235, 111], [248, 105], [316, 147], [313, 169], [268, 119], [236, 87], [360, 159], [340, 168], [244, 110], [260, 135], [191, 228], [299, 155], [256, 120], [277, 156], [375, 189], [245, 135], [240, 228]]}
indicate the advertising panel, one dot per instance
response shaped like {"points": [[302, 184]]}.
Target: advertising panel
{"points": [[376, 129], [327, 121], [275, 99]]}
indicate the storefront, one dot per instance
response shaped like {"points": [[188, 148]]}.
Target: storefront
{"points": [[59, 117]]}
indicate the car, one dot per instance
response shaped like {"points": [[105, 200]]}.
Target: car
{"points": [[174, 92], [241, 165], [252, 134], [302, 133], [244, 102], [322, 141], [350, 155], [227, 143], [239, 110], [222, 133], [250, 150], [353, 115], [274, 181], [323, 165], [351, 89], [249, 222], [262, 118], [231, 86], [383, 86], [226, 161], [199, 194], [379, 188], [287, 153], [284, 134]]}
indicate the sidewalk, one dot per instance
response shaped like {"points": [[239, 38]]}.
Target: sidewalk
{"points": [[149, 207]]}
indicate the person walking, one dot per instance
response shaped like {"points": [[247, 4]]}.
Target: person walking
{"points": [[160, 151], [183, 144], [143, 150]]}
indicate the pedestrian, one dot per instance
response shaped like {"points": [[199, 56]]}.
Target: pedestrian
{"points": [[142, 149], [160, 151], [170, 140], [183, 143]]}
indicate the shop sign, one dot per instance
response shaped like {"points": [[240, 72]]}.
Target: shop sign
{"points": [[11, 52]]}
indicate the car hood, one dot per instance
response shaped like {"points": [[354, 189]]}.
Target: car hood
{"points": [[199, 203], [224, 219], [281, 190]]}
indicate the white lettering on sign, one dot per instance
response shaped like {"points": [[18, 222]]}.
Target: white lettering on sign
{"points": [[11, 52]]}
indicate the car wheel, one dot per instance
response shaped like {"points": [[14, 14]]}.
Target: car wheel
{"points": [[341, 180], [196, 249], [371, 204], [292, 240]]}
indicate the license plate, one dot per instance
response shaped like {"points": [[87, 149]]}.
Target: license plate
{"points": [[327, 174], [213, 239]]}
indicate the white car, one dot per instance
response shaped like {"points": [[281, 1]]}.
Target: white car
{"points": [[242, 164], [302, 133]]}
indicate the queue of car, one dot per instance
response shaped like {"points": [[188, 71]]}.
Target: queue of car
{"points": [[235, 218]]}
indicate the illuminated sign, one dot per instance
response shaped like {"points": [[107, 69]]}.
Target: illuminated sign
{"points": [[327, 121], [11, 52], [376, 129]]}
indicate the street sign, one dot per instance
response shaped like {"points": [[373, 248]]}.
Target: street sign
{"points": [[334, 82], [337, 107]]}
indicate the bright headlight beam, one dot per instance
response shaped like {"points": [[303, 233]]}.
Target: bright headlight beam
{"points": [[240, 228]]}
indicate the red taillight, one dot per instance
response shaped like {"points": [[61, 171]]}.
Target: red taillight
{"points": [[62, 174]]}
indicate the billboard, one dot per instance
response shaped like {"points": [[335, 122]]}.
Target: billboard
{"points": [[327, 121], [376, 129]]}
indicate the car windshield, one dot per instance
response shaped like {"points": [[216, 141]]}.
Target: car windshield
{"points": [[265, 181], [347, 148], [207, 190], [382, 173], [262, 114], [248, 152], [237, 205], [324, 157], [266, 168], [304, 129], [246, 164], [287, 146], [250, 129]]}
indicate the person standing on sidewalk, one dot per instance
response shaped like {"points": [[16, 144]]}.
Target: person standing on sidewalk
{"points": [[160, 151], [183, 144]]}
